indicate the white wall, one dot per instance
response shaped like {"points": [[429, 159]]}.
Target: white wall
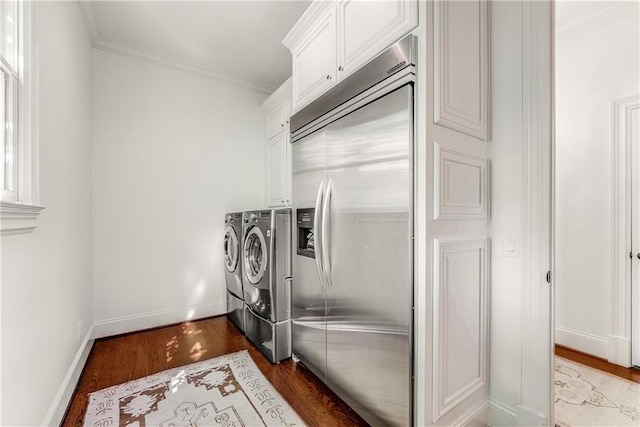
{"points": [[172, 153], [592, 70], [46, 275]]}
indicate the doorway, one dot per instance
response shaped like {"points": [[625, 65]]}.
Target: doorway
{"points": [[596, 210], [630, 124]]}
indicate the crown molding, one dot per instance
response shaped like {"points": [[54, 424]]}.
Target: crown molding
{"points": [[278, 96], [174, 63], [101, 42], [593, 19], [311, 15], [90, 20]]}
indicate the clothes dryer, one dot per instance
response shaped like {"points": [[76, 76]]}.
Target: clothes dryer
{"points": [[266, 281], [233, 267]]}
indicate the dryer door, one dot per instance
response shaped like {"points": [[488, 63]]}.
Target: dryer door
{"points": [[255, 255], [230, 249]]}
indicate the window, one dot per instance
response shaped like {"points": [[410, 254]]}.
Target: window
{"points": [[18, 210], [9, 92]]}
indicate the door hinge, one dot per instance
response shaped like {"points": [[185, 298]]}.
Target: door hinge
{"points": [[549, 276]]}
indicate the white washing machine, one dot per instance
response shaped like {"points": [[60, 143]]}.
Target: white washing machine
{"points": [[233, 267], [266, 281]]}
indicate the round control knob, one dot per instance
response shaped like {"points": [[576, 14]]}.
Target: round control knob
{"points": [[638, 255], [253, 217]]}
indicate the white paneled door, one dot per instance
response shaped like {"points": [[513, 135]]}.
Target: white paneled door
{"points": [[460, 321], [458, 134], [461, 68]]}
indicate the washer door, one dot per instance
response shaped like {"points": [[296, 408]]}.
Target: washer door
{"points": [[230, 249], [255, 255]]}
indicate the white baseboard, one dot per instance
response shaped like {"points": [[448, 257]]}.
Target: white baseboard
{"points": [[117, 326], [474, 417], [583, 342], [65, 392], [122, 325], [620, 351], [525, 417], [500, 415]]}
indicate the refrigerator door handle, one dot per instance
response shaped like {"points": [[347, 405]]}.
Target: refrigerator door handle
{"points": [[317, 233], [326, 233]]}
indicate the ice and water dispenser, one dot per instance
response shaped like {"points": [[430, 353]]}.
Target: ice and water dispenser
{"points": [[306, 241]]}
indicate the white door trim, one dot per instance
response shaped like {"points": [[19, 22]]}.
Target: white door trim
{"points": [[620, 322], [536, 397], [633, 128]]}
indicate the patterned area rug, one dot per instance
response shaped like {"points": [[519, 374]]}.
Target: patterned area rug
{"points": [[228, 391], [588, 397]]}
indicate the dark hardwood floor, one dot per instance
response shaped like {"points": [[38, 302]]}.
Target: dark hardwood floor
{"points": [[127, 357], [631, 374]]}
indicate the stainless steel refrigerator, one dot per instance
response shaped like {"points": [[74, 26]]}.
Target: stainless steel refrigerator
{"points": [[352, 291]]}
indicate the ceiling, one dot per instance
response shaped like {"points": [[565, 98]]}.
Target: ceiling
{"points": [[235, 41], [577, 17]]}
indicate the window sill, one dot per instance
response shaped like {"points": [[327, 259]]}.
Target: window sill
{"points": [[18, 218]]}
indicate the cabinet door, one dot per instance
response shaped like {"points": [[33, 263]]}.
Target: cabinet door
{"points": [[287, 154], [366, 28], [314, 60], [276, 121], [287, 172], [276, 170]]}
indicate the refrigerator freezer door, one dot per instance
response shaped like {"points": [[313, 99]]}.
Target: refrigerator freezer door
{"points": [[308, 294], [369, 229]]}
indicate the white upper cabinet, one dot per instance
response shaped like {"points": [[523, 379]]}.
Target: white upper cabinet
{"points": [[276, 120], [314, 60], [366, 28], [276, 111], [276, 171], [335, 38]]}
